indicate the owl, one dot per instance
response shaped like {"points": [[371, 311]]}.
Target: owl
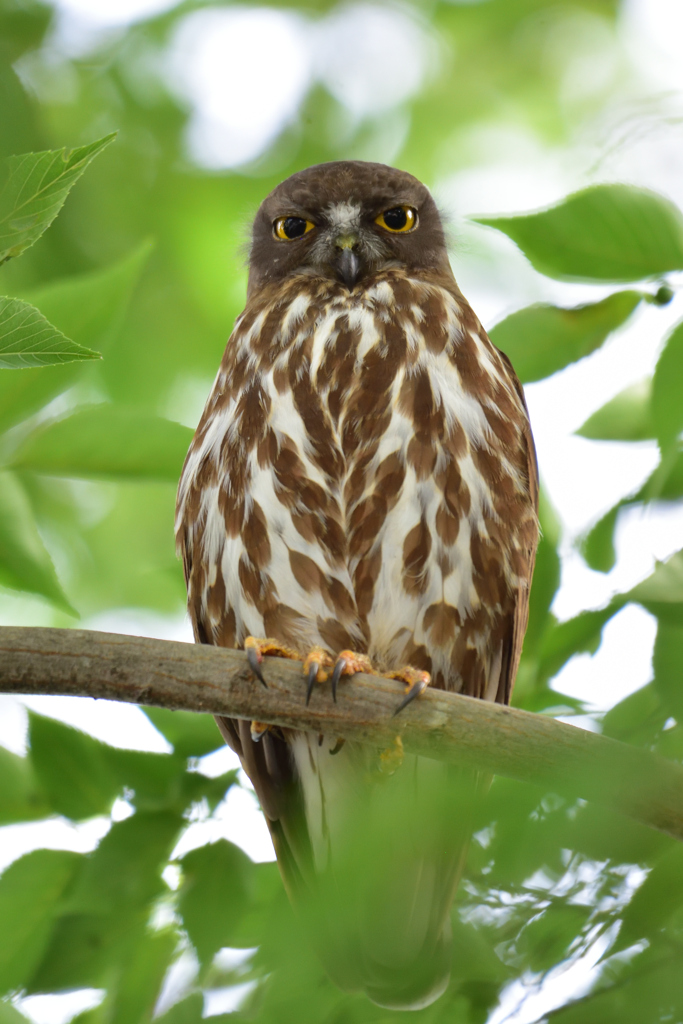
{"points": [[361, 494]]}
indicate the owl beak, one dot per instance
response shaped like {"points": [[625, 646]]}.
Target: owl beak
{"points": [[348, 266]]}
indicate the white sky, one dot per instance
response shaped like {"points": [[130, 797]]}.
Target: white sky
{"points": [[348, 51]]}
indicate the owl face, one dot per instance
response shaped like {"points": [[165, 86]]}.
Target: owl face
{"points": [[346, 221]]}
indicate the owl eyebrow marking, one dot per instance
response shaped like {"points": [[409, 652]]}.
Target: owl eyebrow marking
{"points": [[344, 217]]}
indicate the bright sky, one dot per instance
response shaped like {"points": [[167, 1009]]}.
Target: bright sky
{"points": [[582, 478]]}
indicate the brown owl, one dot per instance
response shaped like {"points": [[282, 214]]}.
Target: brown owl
{"points": [[361, 493]]}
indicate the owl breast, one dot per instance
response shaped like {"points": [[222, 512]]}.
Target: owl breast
{"points": [[359, 479]]}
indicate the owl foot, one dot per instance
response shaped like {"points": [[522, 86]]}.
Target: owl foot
{"points": [[391, 759], [258, 729], [257, 648], [316, 663], [348, 663], [416, 683]]}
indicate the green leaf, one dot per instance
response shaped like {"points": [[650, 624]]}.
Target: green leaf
{"points": [[542, 339], [190, 735], [655, 901], [34, 189], [667, 389], [89, 308], [72, 768], [124, 873], [636, 719], [10, 1015], [21, 798], [546, 576], [30, 893], [214, 896], [24, 561], [137, 984], [579, 635], [28, 339], [597, 547], [545, 942], [626, 417], [666, 661], [105, 441], [603, 233], [189, 1011], [662, 592]]}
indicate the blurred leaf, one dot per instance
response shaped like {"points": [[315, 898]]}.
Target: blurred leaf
{"points": [[124, 872], [597, 546], [546, 941], [155, 779], [90, 308], [189, 1011], [626, 417], [10, 1015], [137, 983], [603, 233], [72, 768], [83, 951], [34, 189], [655, 901], [546, 576], [666, 661], [24, 560], [28, 339], [107, 441], [662, 592], [214, 895], [542, 339], [30, 892], [21, 798], [189, 734], [579, 635], [667, 389], [637, 718]]}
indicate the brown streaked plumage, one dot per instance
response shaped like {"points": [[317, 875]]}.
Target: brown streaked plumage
{"points": [[363, 477]]}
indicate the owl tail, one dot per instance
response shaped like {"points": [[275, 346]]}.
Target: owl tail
{"points": [[387, 855]]}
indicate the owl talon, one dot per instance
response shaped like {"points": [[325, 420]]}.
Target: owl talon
{"points": [[419, 686], [313, 670], [258, 730], [254, 659], [336, 676]]}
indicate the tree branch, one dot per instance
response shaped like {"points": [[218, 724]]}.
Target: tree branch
{"points": [[529, 747]]}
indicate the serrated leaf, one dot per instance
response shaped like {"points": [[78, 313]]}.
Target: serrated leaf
{"points": [[626, 417], [214, 895], [31, 890], [21, 798], [34, 188], [190, 735], [603, 233], [88, 308], [28, 339], [667, 389], [105, 441], [542, 339], [24, 560], [72, 768]]}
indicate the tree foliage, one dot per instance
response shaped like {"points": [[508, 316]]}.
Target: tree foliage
{"points": [[91, 451]]}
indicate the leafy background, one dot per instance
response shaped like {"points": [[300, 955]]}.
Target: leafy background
{"points": [[137, 878]]}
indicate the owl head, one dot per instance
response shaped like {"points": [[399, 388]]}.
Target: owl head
{"points": [[346, 221]]}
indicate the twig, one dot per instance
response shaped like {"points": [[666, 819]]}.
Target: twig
{"points": [[529, 747]]}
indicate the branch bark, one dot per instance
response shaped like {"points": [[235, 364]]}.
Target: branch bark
{"points": [[529, 747]]}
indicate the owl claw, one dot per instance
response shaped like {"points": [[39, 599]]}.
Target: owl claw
{"points": [[336, 676], [415, 690], [313, 670], [254, 659]]}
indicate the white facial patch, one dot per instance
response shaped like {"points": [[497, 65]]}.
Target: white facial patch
{"points": [[344, 217]]}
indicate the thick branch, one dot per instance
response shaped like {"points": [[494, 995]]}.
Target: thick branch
{"points": [[502, 740]]}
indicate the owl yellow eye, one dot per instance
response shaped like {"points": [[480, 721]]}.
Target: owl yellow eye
{"points": [[398, 218], [289, 228]]}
